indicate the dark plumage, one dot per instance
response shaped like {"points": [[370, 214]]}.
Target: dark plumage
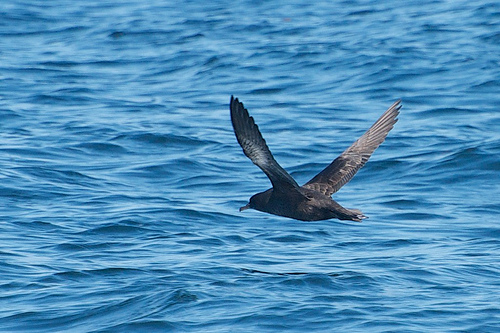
{"points": [[312, 201]]}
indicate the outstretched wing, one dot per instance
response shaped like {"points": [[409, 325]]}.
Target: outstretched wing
{"points": [[255, 148], [344, 167]]}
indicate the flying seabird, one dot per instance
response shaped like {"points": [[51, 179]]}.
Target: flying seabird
{"points": [[311, 201]]}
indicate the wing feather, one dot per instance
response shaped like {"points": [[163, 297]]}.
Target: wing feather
{"points": [[344, 167], [255, 148]]}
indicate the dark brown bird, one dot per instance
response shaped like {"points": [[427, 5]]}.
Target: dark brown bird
{"points": [[312, 201]]}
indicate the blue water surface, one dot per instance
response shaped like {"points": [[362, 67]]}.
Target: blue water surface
{"points": [[121, 178]]}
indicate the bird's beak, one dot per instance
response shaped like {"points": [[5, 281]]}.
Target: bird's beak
{"points": [[245, 207]]}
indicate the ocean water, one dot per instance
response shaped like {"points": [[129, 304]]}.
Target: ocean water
{"points": [[121, 178]]}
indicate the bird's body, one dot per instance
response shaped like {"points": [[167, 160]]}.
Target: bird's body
{"points": [[312, 201], [309, 206]]}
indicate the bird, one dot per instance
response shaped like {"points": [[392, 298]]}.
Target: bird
{"points": [[311, 201]]}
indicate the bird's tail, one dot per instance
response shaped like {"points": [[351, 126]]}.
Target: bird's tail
{"points": [[350, 214], [346, 214], [357, 215]]}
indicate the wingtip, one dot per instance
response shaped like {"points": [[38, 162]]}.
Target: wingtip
{"points": [[234, 103], [397, 105], [234, 99], [394, 109]]}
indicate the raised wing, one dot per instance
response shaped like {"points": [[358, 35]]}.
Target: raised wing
{"points": [[344, 167], [255, 148]]}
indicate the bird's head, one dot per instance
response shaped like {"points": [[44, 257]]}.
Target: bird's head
{"points": [[258, 201]]}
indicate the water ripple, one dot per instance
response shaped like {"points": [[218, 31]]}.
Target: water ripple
{"points": [[121, 177]]}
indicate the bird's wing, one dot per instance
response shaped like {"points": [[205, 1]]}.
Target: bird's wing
{"points": [[344, 167], [255, 148]]}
